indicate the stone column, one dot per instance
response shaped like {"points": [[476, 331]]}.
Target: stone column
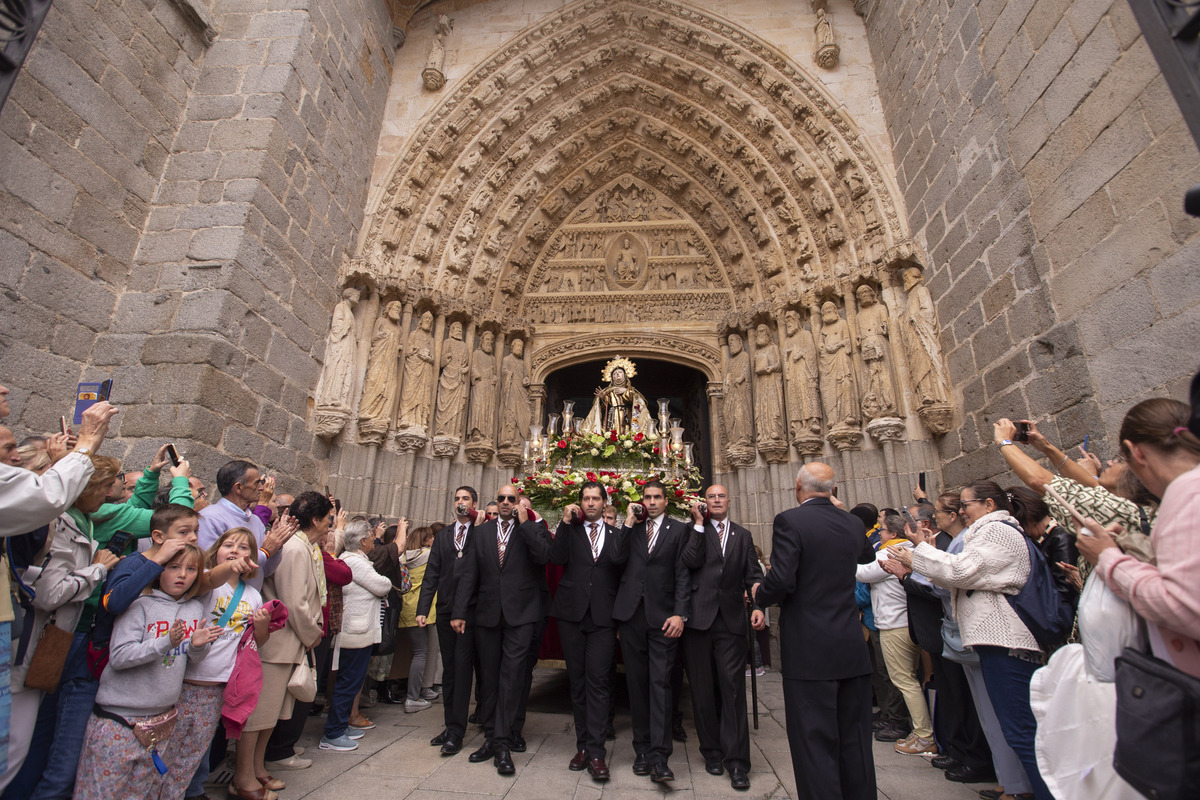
{"points": [[716, 391], [887, 431]]}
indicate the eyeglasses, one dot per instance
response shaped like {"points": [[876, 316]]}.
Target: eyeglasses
{"points": [[968, 502], [500, 498], [202, 492]]}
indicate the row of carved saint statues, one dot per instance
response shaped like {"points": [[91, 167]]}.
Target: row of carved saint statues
{"points": [[837, 372]]}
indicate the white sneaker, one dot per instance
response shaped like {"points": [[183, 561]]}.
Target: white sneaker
{"points": [[413, 706], [293, 762], [342, 744], [430, 695]]}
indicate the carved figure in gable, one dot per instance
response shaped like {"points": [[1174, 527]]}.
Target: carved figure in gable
{"points": [[417, 395], [432, 75], [379, 386]]}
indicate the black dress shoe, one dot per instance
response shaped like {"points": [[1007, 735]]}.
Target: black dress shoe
{"points": [[597, 769], [438, 740], [738, 778], [945, 762], [879, 725], [661, 773], [641, 766], [679, 734], [892, 733], [388, 694], [518, 743], [579, 761], [474, 718], [966, 774], [451, 746], [713, 766], [485, 752], [503, 762]]}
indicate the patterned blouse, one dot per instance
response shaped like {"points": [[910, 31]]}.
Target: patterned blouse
{"points": [[1104, 507]]}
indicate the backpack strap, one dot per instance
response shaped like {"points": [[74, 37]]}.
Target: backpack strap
{"points": [[1143, 521]]}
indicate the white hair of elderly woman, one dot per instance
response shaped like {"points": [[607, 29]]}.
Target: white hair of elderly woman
{"points": [[354, 533]]}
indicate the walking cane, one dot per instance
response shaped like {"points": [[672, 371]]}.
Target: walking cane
{"points": [[750, 661]]}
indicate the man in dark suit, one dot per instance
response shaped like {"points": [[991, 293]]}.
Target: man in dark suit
{"points": [[458, 649], [815, 550], [652, 606], [591, 554], [499, 575], [724, 567]]}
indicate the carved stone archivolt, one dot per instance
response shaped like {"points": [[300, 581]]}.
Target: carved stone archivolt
{"points": [[626, 164]]}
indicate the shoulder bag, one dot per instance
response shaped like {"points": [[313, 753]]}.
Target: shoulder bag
{"points": [[49, 657], [303, 683]]}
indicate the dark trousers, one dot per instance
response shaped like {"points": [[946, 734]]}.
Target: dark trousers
{"points": [[352, 671], [458, 662], [829, 733], [588, 650], [716, 660], [1007, 681], [891, 702], [282, 744], [649, 656], [535, 649], [955, 721], [503, 654]]}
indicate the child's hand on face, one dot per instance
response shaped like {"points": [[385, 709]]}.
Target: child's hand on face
{"points": [[204, 634], [176, 633]]}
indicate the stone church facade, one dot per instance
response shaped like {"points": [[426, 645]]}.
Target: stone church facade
{"points": [[365, 244]]}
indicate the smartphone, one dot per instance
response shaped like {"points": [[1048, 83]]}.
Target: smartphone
{"points": [[461, 509], [1084, 446], [1022, 434], [119, 541], [1074, 512], [639, 512], [62, 423], [173, 454], [576, 517], [834, 492], [921, 480], [88, 394], [704, 512]]}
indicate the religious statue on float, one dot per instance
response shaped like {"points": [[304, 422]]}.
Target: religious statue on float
{"points": [[618, 407]]}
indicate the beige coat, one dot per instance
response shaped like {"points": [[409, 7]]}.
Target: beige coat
{"points": [[296, 584]]}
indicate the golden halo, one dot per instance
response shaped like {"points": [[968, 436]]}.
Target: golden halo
{"points": [[623, 363]]}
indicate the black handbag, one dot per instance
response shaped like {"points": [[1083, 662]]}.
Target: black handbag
{"points": [[389, 618], [1158, 727]]}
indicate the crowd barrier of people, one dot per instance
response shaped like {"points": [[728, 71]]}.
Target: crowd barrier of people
{"points": [[150, 628]]}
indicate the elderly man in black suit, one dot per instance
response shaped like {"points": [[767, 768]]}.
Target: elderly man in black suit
{"points": [[592, 556], [652, 606], [815, 550], [457, 649], [500, 576], [724, 567]]}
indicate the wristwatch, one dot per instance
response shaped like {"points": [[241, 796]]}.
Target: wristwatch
{"points": [[1004, 442]]}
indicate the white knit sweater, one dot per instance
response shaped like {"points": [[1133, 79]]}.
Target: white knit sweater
{"points": [[360, 603], [994, 562]]}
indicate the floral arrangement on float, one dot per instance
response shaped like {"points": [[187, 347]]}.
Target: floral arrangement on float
{"points": [[618, 445]]}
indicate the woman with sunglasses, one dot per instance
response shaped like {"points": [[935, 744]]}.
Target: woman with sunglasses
{"points": [[994, 562]]}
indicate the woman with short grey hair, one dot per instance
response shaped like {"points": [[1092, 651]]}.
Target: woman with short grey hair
{"points": [[360, 633]]}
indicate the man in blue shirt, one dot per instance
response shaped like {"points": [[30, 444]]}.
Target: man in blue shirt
{"points": [[238, 483]]}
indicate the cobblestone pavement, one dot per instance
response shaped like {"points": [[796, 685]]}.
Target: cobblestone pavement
{"points": [[395, 761]]}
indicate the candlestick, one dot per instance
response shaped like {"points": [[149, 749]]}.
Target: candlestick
{"points": [[552, 426]]}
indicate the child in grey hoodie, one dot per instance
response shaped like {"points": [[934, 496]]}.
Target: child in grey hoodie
{"points": [[150, 647]]}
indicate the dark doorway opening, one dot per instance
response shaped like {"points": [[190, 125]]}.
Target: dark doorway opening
{"points": [[686, 388]]}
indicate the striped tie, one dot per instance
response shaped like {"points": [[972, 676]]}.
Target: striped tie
{"points": [[502, 542], [650, 528], [594, 535], [721, 536]]}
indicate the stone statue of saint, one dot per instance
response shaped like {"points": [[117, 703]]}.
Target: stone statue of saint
{"points": [[878, 399], [626, 266], [337, 378], [920, 340], [838, 392], [452, 386], [739, 428], [768, 389], [416, 394], [618, 406], [800, 372], [379, 387], [516, 412], [481, 428]]}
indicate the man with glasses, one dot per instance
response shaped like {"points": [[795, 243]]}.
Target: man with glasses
{"points": [[500, 577], [458, 649], [652, 606], [238, 483]]}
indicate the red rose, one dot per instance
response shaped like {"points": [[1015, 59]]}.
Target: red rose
{"points": [[562, 445], [516, 480], [613, 437], [544, 481], [679, 492], [656, 448], [637, 437], [561, 471]]}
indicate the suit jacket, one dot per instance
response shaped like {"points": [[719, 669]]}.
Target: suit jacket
{"points": [[719, 582], [586, 583], [442, 574], [815, 550], [659, 579], [513, 591]]}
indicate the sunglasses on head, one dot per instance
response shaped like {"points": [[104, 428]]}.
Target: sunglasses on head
{"points": [[500, 498]]}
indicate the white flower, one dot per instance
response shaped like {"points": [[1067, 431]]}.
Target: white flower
{"points": [[626, 485], [628, 445], [595, 452], [604, 479]]}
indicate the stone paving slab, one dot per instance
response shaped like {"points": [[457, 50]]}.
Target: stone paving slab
{"points": [[395, 761]]}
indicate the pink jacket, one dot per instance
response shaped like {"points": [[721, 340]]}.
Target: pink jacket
{"points": [[245, 682], [1167, 595]]}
